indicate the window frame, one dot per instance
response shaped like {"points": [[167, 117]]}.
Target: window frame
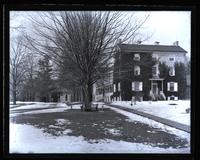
{"points": [[155, 70], [136, 57], [175, 86], [137, 70], [138, 87], [172, 71], [171, 59]]}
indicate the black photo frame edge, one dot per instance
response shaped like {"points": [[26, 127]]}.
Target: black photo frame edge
{"points": [[195, 151]]}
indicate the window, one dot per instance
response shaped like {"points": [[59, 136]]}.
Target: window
{"points": [[136, 57], [173, 98], [114, 87], [172, 86], [136, 70], [155, 58], [119, 86], [171, 59], [137, 86], [154, 69], [172, 71]]}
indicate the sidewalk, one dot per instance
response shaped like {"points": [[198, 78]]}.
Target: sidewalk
{"points": [[171, 123]]}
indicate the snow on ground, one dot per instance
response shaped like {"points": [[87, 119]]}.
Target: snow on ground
{"points": [[59, 107], [28, 139], [133, 117], [76, 106], [62, 121], [172, 110], [22, 137], [21, 102], [39, 111], [114, 131], [38, 105]]}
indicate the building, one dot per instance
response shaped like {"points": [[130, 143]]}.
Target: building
{"points": [[103, 89], [138, 75]]}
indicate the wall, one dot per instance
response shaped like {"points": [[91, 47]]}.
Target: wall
{"points": [[164, 57]]}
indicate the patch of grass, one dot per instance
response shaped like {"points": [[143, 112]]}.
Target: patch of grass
{"points": [[173, 104], [95, 126]]}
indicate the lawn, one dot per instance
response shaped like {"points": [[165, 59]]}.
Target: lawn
{"points": [[172, 110], [73, 129]]}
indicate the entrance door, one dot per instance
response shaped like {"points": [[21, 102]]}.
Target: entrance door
{"points": [[155, 88]]}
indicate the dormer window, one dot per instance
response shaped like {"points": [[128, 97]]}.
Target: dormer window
{"points": [[171, 59], [136, 70], [136, 57], [155, 71]]}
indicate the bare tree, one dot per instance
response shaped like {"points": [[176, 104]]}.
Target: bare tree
{"points": [[82, 44], [28, 88], [17, 68]]}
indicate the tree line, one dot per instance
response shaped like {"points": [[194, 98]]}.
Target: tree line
{"points": [[81, 45], [77, 48]]}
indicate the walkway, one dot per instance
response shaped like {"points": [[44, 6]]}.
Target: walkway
{"points": [[171, 123]]}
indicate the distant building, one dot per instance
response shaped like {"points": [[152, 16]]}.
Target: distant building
{"points": [[134, 79], [103, 89]]}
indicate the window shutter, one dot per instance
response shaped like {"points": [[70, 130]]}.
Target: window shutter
{"points": [[119, 86], [174, 71], [168, 86], [133, 86], [175, 87], [140, 86], [114, 88]]}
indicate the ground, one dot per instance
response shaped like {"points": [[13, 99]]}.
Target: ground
{"points": [[51, 127], [172, 110]]}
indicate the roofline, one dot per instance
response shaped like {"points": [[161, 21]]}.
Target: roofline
{"points": [[184, 51], [153, 51]]}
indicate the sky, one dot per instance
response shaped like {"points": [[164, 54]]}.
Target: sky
{"points": [[169, 27], [166, 26]]}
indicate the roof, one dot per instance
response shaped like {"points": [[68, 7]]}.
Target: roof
{"points": [[151, 48]]}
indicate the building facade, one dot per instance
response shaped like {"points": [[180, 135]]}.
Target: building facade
{"points": [[103, 89], [138, 73]]}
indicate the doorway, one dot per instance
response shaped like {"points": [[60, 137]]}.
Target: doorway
{"points": [[155, 88]]}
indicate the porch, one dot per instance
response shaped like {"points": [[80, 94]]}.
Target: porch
{"points": [[157, 88]]}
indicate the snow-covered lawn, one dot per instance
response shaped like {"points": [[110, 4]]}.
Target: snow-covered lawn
{"points": [[172, 110], [34, 105], [133, 117], [25, 138], [21, 102], [28, 139], [37, 107]]}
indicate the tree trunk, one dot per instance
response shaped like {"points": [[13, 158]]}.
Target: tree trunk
{"points": [[103, 94], [88, 98]]}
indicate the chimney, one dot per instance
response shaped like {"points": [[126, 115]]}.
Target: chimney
{"points": [[156, 43], [119, 41], [139, 42], [175, 43]]}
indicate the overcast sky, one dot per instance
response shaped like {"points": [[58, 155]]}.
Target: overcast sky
{"points": [[166, 26]]}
